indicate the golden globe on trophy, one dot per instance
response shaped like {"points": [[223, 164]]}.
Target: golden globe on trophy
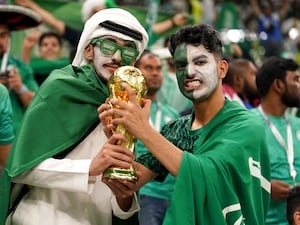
{"points": [[136, 80]]}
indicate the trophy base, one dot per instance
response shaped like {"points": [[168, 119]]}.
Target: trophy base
{"points": [[120, 174]]}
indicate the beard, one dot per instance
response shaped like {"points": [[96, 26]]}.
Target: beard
{"points": [[290, 100], [251, 93], [152, 91]]}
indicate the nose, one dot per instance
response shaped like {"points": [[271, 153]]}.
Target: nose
{"points": [[191, 71], [117, 56]]}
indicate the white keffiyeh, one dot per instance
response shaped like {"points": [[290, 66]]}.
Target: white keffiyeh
{"points": [[92, 30]]}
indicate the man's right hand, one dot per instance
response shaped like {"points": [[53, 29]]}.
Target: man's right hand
{"points": [[111, 154], [279, 190]]}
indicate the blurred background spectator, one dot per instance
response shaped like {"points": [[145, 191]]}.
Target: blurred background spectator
{"points": [[49, 53], [243, 23]]}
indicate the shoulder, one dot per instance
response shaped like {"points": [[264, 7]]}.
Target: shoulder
{"points": [[293, 119], [3, 90], [17, 62], [3, 93], [239, 118], [177, 124]]}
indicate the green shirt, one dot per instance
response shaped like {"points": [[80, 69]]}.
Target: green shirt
{"points": [[280, 169], [160, 115], [27, 77], [224, 174], [6, 127]]}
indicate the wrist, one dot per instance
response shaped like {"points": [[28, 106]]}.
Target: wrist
{"points": [[23, 89], [173, 22]]}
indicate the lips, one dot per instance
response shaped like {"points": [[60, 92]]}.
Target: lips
{"points": [[111, 67], [192, 84]]}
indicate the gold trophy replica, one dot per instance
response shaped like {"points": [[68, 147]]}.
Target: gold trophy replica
{"points": [[135, 79]]}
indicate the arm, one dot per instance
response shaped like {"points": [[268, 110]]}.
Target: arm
{"points": [[47, 17], [279, 190], [16, 84], [179, 19], [284, 9], [61, 174], [4, 150], [30, 41], [255, 7], [55, 173], [135, 120], [6, 125]]}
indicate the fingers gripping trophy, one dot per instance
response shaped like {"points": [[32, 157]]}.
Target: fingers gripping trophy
{"points": [[135, 79]]}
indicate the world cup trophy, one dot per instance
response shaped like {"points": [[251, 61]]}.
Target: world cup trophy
{"points": [[136, 80]]}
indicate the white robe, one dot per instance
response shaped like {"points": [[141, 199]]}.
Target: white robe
{"points": [[62, 193]]}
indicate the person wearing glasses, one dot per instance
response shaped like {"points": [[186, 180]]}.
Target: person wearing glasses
{"points": [[278, 84], [61, 150]]}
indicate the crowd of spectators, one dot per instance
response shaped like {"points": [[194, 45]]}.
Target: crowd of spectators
{"points": [[252, 31]]}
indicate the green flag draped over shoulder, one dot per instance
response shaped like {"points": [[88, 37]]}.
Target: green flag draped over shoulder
{"points": [[60, 115], [226, 180]]}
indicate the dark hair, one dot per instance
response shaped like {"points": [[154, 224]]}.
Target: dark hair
{"points": [[145, 52], [50, 34], [292, 203], [201, 34], [236, 67], [273, 68]]}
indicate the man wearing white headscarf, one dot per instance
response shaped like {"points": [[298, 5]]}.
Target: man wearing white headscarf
{"points": [[61, 150]]}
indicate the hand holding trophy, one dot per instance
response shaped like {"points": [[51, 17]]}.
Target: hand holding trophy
{"points": [[135, 79]]}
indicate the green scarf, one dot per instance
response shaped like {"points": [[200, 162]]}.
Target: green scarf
{"points": [[61, 114], [214, 185]]}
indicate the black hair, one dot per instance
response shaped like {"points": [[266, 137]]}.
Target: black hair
{"points": [[145, 52], [236, 67], [50, 34], [201, 34], [273, 68], [292, 203]]}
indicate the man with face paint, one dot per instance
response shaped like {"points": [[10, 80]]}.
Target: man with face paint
{"points": [[218, 153], [61, 150], [278, 84]]}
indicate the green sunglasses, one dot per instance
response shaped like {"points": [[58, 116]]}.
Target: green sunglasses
{"points": [[107, 47]]}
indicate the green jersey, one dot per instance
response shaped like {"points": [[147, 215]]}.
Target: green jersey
{"points": [[224, 174]]}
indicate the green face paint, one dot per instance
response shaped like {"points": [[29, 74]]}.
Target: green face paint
{"points": [[196, 71], [181, 64]]}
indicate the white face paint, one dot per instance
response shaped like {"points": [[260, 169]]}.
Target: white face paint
{"points": [[99, 62], [201, 76]]}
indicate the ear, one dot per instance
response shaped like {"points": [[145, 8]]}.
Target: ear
{"points": [[297, 218], [89, 52], [223, 68], [278, 86], [237, 79]]}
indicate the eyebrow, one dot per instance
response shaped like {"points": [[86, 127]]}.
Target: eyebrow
{"points": [[200, 57]]}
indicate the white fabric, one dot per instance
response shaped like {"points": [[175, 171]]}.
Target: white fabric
{"points": [[92, 29], [63, 193], [88, 6]]}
